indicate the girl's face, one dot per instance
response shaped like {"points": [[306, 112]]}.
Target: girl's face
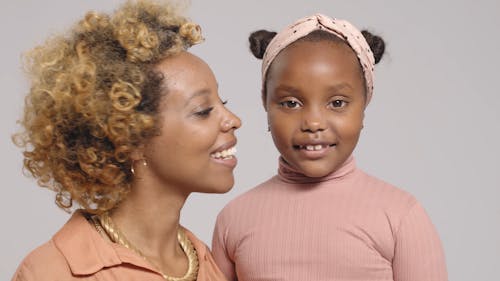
{"points": [[194, 150], [315, 105]]}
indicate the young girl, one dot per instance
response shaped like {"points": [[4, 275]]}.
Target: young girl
{"points": [[322, 218]]}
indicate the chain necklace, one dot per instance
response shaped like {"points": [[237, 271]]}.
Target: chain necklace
{"points": [[104, 222]]}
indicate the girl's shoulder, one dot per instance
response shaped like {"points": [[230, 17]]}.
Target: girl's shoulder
{"points": [[253, 194], [383, 192], [246, 201]]}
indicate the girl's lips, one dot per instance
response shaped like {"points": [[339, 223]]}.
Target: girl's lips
{"points": [[314, 152], [313, 146]]}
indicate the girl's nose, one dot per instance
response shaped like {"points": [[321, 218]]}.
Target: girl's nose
{"points": [[313, 121]]}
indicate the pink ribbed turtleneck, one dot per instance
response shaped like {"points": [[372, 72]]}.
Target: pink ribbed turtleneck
{"points": [[344, 226], [290, 175]]}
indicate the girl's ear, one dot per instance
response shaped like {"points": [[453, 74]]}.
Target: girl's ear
{"points": [[263, 97]]}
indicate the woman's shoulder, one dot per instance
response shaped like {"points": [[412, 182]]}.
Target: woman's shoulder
{"points": [[208, 269], [200, 247], [43, 263], [70, 251]]}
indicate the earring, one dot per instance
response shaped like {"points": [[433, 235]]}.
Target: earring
{"points": [[144, 163], [268, 128]]}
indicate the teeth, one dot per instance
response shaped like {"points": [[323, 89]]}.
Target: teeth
{"points": [[311, 147], [225, 154]]}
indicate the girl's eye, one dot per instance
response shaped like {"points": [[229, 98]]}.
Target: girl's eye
{"points": [[338, 103], [290, 104], [204, 113]]}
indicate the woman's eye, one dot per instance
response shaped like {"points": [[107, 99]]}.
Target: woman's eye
{"points": [[205, 112], [290, 104], [338, 103]]}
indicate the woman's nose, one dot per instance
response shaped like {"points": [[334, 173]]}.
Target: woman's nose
{"points": [[230, 121]]}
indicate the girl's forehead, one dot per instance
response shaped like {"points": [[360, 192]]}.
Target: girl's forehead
{"points": [[306, 56]]}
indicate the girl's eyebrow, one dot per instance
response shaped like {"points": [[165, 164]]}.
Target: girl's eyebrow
{"points": [[334, 88], [286, 88], [340, 87]]}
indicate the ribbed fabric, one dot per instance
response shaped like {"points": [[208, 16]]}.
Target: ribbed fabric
{"points": [[345, 226]]}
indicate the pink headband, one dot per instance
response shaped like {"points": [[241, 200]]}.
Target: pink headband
{"points": [[341, 28]]}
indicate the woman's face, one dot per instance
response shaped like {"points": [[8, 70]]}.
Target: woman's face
{"points": [[195, 148], [315, 104]]}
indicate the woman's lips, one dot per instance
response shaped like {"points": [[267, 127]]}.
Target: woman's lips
{"points": [[226, 157], [230, 161]]}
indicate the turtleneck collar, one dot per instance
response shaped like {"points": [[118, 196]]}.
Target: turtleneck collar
{"points": [[291, 175]]}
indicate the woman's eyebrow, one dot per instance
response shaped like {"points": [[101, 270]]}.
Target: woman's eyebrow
{"points": [[201, 92]]}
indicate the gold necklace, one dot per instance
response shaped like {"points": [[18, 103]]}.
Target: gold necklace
{"points": [[104, 222]]}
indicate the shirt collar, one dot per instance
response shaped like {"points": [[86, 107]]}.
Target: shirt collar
{"points": [[87, 252], [289, 174]]}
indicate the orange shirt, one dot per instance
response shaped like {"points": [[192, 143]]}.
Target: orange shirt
{"points": [[78, 252]]}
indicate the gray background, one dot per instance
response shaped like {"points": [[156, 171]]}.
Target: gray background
{"points": [[432, 128]]}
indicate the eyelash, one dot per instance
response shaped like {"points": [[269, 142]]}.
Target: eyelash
{"points": [[287, 104], [291, 104], [204, 113], [343, 103]]}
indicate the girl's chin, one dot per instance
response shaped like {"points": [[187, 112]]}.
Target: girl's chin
{"points": [[317, 169]]}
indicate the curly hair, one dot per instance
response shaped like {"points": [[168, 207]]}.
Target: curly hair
{"points": [[94, 98]]}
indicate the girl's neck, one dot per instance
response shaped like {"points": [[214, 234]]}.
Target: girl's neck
{"points": [[289, 174]]}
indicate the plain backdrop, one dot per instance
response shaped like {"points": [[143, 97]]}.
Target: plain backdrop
{"points": [[432, 127]]}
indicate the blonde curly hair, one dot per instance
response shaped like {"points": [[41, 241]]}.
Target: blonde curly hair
{"points": [[94, 98]]}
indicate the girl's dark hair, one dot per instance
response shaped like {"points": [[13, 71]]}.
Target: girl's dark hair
{"points": [[259, 40]]}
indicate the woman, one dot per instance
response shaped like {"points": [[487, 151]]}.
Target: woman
{"points": [[122, 120]]}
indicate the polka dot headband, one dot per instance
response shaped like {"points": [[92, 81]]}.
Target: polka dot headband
{"points": [[341, 28]]}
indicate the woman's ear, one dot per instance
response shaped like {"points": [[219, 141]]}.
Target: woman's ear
{"points": [[137, 153]]}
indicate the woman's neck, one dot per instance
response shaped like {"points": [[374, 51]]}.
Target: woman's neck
{"points": [[149, 218]]}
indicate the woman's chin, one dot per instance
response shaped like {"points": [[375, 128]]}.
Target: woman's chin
{"points": [[220, 187]]}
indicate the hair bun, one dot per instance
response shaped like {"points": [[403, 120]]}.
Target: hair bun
{"points": [[376, 43], [259, 40]]}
